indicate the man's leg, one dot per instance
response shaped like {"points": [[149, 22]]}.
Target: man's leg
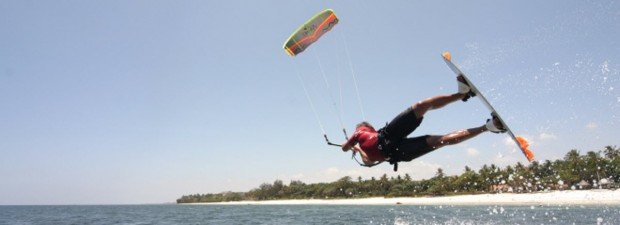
{"points": [[464, 93], [436, 102], [438, 141], [407, 121]]}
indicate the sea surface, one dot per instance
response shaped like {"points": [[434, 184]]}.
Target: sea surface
{"points": [[308, 214]]}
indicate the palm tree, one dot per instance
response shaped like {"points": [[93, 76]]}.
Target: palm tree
{"points": [[407, 177], [611, 152]]}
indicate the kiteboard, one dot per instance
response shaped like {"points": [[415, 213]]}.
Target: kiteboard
{"points": [[520, 141]]}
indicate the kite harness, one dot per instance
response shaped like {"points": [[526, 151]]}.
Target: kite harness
{"points": [[387, 148]]}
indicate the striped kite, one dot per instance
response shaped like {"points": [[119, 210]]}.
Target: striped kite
{"points": [[310, 32]]}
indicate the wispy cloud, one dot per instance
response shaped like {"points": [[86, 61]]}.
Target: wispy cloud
{"points": [[547, 136], [509, 142], [505, 160], [591, 126], [472, 152]]}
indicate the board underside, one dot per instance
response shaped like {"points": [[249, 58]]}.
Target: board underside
{"points": [[457, 71]]}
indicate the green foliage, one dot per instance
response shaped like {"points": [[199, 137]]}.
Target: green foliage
{"points": [[599, 169]]}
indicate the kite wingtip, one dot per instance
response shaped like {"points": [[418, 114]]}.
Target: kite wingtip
{"points": [[289, 52]]}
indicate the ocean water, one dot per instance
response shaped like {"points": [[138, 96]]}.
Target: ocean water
{"points": [[308, 214]]}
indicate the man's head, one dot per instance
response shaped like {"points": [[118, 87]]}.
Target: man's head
{"points": [[364, 124]]}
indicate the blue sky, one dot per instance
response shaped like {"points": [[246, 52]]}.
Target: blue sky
{"points": [[117, 102]]}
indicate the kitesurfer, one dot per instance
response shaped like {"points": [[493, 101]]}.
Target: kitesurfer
{"points": [[390, 143]]}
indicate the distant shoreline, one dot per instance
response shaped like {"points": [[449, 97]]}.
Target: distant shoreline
{"points": [[571, 197]]}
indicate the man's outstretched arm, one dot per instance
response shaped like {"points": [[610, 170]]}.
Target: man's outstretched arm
{"points": [[348, 144]]}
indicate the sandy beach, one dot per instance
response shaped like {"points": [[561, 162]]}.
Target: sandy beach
{"points": [[577, 197]]}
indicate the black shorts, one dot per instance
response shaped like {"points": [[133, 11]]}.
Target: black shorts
{"points": [[396, 132]]}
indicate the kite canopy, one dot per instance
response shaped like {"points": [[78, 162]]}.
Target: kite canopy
{"points": [[310, 31]]}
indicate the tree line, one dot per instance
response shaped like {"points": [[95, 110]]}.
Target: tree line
{"points": [[595, 169]]}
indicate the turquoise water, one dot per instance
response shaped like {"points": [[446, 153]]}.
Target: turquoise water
{"points": [[308, 214]]}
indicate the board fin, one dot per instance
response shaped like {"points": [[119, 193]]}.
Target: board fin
{"points": [[525, 148]]}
